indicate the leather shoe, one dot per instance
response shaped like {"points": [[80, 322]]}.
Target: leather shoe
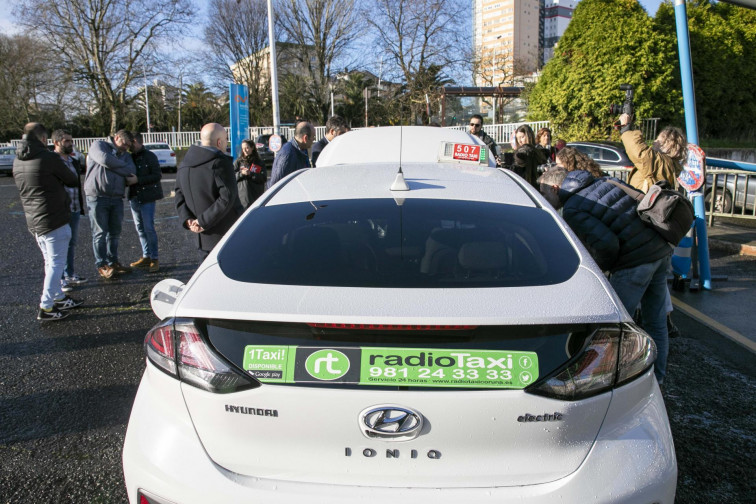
{"points": [[105, 271], [154, 266], [143, 262], [120, 268]]}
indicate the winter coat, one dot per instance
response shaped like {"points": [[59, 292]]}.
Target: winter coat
{"points": [[288, 160], [490, 143], [651, 166], [317, 148], [41, 177], [526, 161], [107, 169], [206, 191], [148, 172], [604, 217], [252, 185]]}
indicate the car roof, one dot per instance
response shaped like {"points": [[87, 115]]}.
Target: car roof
{"points": [[425, 180], [413, 144]]}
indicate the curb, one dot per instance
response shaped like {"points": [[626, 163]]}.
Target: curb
{"points": [[732, 247]]}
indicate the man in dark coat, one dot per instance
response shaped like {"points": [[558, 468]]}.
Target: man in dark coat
{"points": [[142, 198], [476, 128], [293, 155], [207, 200], [335, 126], [605, 219], [41, 178]]}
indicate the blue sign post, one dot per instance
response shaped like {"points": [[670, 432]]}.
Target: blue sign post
{"points": [[239, 104]]}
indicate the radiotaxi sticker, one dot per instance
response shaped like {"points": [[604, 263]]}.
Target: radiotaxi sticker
{"points": [[412, 367], [464, 152]]}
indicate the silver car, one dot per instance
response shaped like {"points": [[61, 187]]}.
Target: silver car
{"points": [[7, 155], [165, 154]]}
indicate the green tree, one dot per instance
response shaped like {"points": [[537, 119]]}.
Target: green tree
{"points": [[607, 43], [723, 42], [201, 106]]}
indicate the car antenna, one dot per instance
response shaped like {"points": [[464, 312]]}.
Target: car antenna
{"points": [[399, 183]]}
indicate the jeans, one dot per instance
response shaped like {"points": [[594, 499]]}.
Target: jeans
{"points": [[647, 285], [75, 218], [144, 220], [105, 217], [53, 246]]}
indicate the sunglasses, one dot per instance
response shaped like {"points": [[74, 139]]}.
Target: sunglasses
{"points": [[475, 125]]}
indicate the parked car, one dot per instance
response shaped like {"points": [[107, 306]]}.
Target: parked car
{"points": [[266, 154], [406, 323], [609, 155], [735, 189], [7, 155], [166, 156]]}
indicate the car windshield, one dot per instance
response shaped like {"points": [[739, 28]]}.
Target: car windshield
{"points": [[423, 243], [7, 150]]}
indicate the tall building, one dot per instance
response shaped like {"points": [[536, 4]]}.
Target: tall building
{"points": [[557, 14], [506, 35]]}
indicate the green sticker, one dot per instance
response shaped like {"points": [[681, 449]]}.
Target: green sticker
{"points": [[411, 367]]}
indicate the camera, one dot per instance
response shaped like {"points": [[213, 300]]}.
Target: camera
{"points": [[627, 105]]}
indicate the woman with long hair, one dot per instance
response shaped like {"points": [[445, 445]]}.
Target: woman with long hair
{"points": [[526, 156], [250, 174]]}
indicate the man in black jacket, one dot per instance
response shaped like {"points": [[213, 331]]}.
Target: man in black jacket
{"points": [[476, 128], [142, 198], [41, 177], [207, 200], [335, 126]]}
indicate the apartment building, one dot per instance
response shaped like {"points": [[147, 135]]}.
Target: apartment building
{"points": [[557, 14]]}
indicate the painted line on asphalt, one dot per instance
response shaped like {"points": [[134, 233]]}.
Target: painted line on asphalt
{"points": [[709, 322]]}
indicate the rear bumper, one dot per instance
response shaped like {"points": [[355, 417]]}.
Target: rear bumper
{"points": [[632, 461]]}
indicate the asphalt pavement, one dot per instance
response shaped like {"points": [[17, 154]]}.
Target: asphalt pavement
{"points": [[66, 388]]}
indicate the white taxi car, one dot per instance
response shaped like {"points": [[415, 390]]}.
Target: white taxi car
{"points": [[403, 322], [165, 154]]}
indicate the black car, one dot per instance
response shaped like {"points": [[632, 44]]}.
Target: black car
{"points": [[611, 156], [266, 154]]}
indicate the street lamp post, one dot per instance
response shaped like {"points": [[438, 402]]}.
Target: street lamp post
{"points": [[146, 99]]}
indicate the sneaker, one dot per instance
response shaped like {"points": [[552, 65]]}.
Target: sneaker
{"points": [[67, 303], [75, 280], [65, 286], [120, 268], [51, 314], [154, 266], [143, 262], [105, 271]]}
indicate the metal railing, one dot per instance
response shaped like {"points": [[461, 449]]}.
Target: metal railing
{"points": [[730, 193]]}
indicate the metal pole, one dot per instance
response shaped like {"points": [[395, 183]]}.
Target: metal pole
{"points": [[273, 70], [331, 86], [146, 98], [181, 87], [366, 107], [691, 131]]}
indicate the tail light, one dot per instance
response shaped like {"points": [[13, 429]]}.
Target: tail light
{"points": [[173, 154], [178, 348], [615, 355]]}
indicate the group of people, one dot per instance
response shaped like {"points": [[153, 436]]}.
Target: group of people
{"points": [[530, 150], [54, 200], [605, 219], [212, 191]]}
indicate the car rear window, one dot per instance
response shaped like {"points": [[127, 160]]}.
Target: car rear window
{"points": [[422, 243], [157, 147], [7, 150]]}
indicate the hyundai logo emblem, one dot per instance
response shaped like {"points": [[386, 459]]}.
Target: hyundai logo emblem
{"points": [[391, 422]]}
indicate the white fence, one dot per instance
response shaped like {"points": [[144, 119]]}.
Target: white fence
{"points": [[501, 133]]}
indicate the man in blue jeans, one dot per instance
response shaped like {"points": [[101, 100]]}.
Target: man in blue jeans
{"points": [[41, 178], [109, 170], [605, 219], [142, 198], [64, 148]]}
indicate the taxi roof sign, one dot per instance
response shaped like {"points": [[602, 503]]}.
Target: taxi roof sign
{"points": [[463, 153]]}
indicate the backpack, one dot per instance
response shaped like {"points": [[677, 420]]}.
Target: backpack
{"points": [[666, 211]]}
